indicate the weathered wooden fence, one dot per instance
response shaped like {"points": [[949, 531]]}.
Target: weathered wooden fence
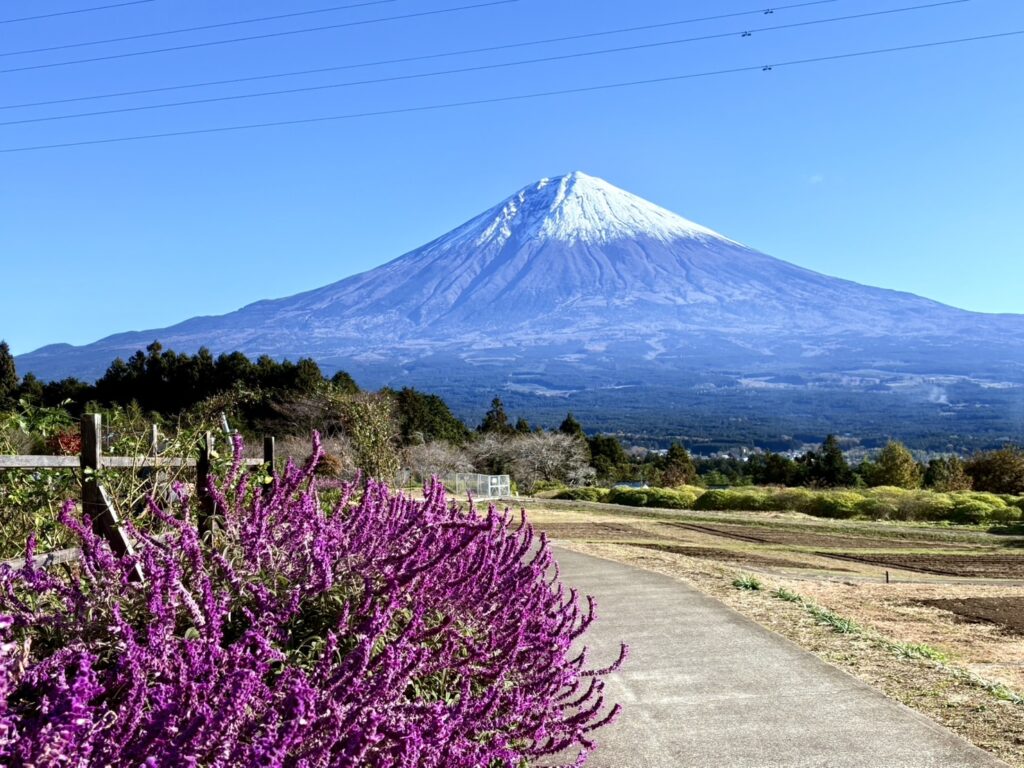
{"points": [[97, 504]]}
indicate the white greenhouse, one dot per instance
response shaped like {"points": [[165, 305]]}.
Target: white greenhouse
{"points": [[480, 486]]}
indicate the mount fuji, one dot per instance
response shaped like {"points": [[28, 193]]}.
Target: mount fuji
{"points": [[574, 294]]}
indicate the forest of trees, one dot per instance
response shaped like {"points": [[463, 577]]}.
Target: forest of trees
{"points": [[381, 431]]}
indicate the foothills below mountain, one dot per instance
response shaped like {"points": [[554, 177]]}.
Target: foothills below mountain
{"points": [[575, 295]]}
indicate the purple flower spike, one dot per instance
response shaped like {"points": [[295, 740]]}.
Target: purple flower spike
{"points": [[377, 632]]}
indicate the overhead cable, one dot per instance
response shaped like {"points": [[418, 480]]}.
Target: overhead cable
{"points": [[514, 98], [424, 57], [264, 36], [202, 28], [483, 67], [74, 11]]}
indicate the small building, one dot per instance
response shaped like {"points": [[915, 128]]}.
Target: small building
{"points": [[479, 486]]}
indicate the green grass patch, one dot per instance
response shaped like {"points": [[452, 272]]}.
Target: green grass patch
{"points": [[998, 690], [787, 595], [918, 651], [831, 619], [747, 582]]}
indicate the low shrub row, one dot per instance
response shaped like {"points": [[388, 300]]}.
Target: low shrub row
{"points": [[582, 494], [683, 497], [883, 503]]}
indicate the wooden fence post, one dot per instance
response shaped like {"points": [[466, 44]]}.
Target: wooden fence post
{"points": [[96, 504], [150, 475], [269, 453], [207, 510]]}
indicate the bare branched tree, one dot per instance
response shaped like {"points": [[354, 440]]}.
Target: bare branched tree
{"points": [[437, 458], [533, 457]]}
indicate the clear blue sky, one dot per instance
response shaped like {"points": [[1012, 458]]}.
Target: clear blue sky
{"points": [[904, 171]]}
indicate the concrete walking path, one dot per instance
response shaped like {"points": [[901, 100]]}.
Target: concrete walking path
{"points": [[706, 687]]}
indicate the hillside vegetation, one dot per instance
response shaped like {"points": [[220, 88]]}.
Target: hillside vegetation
{"points": [[407, 436]]}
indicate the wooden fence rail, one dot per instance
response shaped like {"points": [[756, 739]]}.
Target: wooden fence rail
{"points": [[106, 462], [97, 505], [58, 556]]}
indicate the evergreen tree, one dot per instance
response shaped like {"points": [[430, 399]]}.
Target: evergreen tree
{"points": [[30, 388], [896, 466], [426, 418], [608, 458], [999, 471], [828, 467], [345, 383], [733, 470], [522, 426], [114, 386], [8, 374], [495, 420], [308, 376], [574, 429], [678, 467], [57, 393], [772, 469], [571, 427], [231, 370], [867, 472], [947, 474], [203, 367]]}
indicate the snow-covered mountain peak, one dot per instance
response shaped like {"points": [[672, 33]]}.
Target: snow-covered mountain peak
{"points": [[572, 294], [580, 208]]}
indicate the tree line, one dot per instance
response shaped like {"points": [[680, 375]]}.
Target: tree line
{"points": [[385, 430]]}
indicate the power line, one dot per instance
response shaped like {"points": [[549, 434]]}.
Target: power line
{"points": [[77, 10], [485, 67], [518, 97], [426, 57], [202, 28], [264, 36]]}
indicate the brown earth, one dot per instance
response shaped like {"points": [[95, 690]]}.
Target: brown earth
{"points": [[728, 556], [593, 531], [763, 535], [672, 537], [973, 566], [1006, 612]]}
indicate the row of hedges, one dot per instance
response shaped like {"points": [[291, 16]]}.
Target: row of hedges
{"points": [[683, 497], [884, 503]]}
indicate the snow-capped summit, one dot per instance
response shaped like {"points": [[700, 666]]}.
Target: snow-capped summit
{"points": [[574, 288], [579, 208]]}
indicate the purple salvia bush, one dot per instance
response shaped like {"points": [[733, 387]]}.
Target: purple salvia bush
{"points": [[8, 721], [382, 632]]}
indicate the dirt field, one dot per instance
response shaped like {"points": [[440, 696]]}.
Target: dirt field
{"points": [[944, 637], [593, 531], [966, 565], [726, 555], [1005, 612], [762, 535]]}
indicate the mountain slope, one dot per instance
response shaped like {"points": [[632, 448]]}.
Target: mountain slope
{"points": [[574, 286]]}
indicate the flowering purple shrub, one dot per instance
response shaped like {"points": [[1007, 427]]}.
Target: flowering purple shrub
{"points": [[382, 632]]}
